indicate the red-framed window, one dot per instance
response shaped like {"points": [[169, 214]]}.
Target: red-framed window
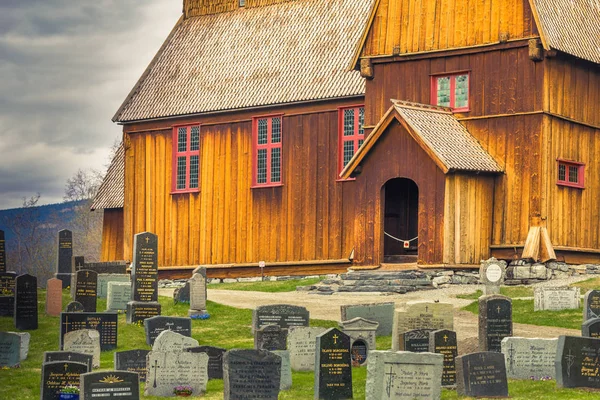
{"points": [[451, 90], [351, 133], [266, 150], [570, 173], [186, 159]]}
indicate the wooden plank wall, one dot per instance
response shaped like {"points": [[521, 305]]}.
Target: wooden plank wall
{"points": [[425, 25], [112, 235], [396, 154]]}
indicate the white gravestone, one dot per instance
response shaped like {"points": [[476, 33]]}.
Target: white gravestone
{"points": [[198, 292], [491, 274], [164, 371], [119, 294], [421, 315], [556, 298], [301, 343], [86, 341], [529, 358], [169, 342]]}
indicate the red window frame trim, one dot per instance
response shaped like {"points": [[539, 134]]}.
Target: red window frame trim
{"points": [[188, 153], [268, 147], [580, 173], [451, 75], [356, 137]]}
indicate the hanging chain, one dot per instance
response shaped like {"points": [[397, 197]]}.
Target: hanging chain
{"points": [[400, 240]]}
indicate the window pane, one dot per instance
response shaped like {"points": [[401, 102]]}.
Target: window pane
{"points": [[349, 122], [276, 165], [361, 121], [194, 162], [562, 172], [261, 173], [573, 176], [195, 138], [461, 91], [181, 168], [262, 131], [182, 139], [443, 91], [348, 151], [360, 142], [276, 130]]}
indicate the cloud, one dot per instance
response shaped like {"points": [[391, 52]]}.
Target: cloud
{"points": [[66, 66]]}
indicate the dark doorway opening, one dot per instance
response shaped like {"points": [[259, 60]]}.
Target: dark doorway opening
{"points": [[401, 221]]}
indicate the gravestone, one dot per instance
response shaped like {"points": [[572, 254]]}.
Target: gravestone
{"points": [[64, 254], [270, 337], [74, 306], [132, 361], [107, 267], [138, 311], [251, 374], [170, 342], [577, 362], [10, 349], [556, 298], [7, 293], [378, 312], [56, 375], [284, 315], [491, 274], [104, 323], [591, 305], [26, 307], [77, 263], [444, 342], [86, 284], [52, 356], [361, 329], [105, 279], [481, 375], [591, 328], [301, 343], [2, 252], [155, 325], [333, 368], [85, 341], [215, 359], [182, 294], [120, 385], [198, 292], [495, 321], [416, 340], [421, 315], [527, 358], [53, 297], [403, 375], [167, 370], [285, 383], [25, 340], [119, 294], [144, 269]]}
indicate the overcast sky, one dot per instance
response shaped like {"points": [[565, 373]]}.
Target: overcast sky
{"points": [[65, 68]]}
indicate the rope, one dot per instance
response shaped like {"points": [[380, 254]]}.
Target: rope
{"points": [[400, 240]]}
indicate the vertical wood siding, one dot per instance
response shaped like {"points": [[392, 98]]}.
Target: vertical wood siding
{"points": [[112, 235]]}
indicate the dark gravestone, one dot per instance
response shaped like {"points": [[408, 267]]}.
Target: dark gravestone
{"points": [[270, 337], [77, 263], [215, 359], [64, 257], [251, 374], [284, 315], [74, 306], [108, 267], [444, 342], [495, 321], [10, 349], [182, 294], [86, 289], [132, 361], [26, 307], [7, 293], [591, 305], [138, 311], [577, 362], [104, 323], [52, 356], [56, 375], [481, 375], [121, 385], [359, 352], [155, 325], [416, 340], [144, 270], [591, 328], [2, 252], [333, 374]]}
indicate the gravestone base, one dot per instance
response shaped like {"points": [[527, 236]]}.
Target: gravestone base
{"points": [[138, 311], [193, 313], [65, 278]]}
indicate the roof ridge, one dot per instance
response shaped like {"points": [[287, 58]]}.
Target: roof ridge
{"points": [[421, 106]]}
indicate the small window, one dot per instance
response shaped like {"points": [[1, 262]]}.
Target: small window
{"points": [[570, 173], [186, 159], [451, 91], [266, 144], [351, 133], [242, 3]]}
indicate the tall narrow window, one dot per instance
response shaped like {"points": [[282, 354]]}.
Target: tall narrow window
{"points": [[570, 173], [351, 133], [266, 144], [451, 91], [186, 158]]}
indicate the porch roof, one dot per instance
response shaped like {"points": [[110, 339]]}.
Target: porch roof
{"points": [[111, 193]]}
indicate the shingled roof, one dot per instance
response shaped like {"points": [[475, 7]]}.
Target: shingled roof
{"points": [[112, 190], [438, 132], [290, 52], [570, 26]]}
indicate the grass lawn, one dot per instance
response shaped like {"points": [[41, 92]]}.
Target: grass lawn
{"points": [[271, 287], [588, 284], [509, 291]]}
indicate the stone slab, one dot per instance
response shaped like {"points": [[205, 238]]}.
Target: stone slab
{"points": [[104, 279], [333, 366], [25, 340], [138, 311], [7, 293], [591, 305], [144, 269], [10, 349], [383, 313], [26, 304], [86, 341], [529, 358], [118, 295], [444, 342], [56, 375], [251, 374], [495, 321], [215, 359], [556, 299], [481, 375], [577, 362], [421, 315], [170, 342], [155, 325], [284, 315], [167, 370], [53, 297], [301, 343], [121, 385], [286, 369], [53, 356], [132, 361], [104, 323]]}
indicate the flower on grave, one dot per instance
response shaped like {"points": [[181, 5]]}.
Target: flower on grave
{"points": [[201, 316], [182, 389], [70, 389]]}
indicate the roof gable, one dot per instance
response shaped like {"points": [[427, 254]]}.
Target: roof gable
{"points": [[111, 193]]}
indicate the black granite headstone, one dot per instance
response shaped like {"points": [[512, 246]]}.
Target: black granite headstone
{"points": [[333, 366], [444, 342], [64, 256], [86, 289], [138, 311], [104, 323], [107, 267], [591, 305], [77, 263], [26, 306], [251, 374], [155, 325], [284, 315], [2, 252], [481, 375], [120, 385], [270, 337], [52, 356], [495, 321], [7, 294], [56, 375], [591, 328], [359, 352], [577, 362], [74, 306], [416, 340], [215, 359], [144, 269], [132, 361], [182, 294]]}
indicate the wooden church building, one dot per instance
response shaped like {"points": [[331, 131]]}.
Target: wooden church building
{"points": [[317, 135]]}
